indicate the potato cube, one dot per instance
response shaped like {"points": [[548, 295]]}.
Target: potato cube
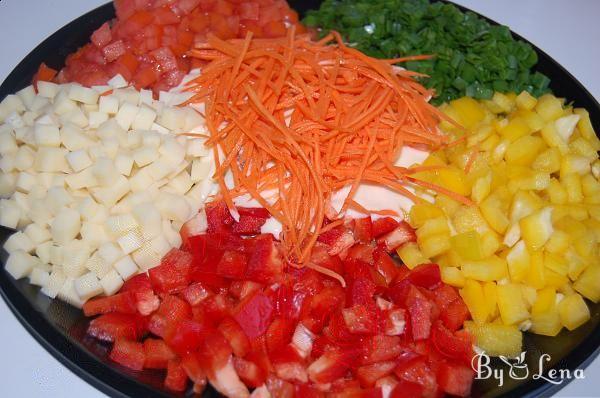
{"points": [[130, 241], [87, 286], [126, 267], [111, 283], [19, 242], [79, 160], [126, 115], [37, 233], [10, 213], [108, 104], [39, 276], [65, 226], [20, 263], [83, 94]]}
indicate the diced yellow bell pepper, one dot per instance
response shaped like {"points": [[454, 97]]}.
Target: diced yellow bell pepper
{"points": [[588, 283], [434, 245], [490, 292], [523, 204], [536, 276], [576, 164], [556, 192], [481, 188], [454, 180], [489, 269], [529, 295], [469, 218], [518, 260], [549, 107], [556, 263], [573, 311], [545, 319], [447, 204], [590, 186], [555, 280], [421, 212], [496, 339], [577, 264], [433, 226], [547, 161], [524, 150], [491, 209], [467, 245], [572, 184], [533, 120], [515, 129], [469, 111], [525, 101], [583, 147], [537, 228], [490, 243], [553, 139], [503, 102], [490, 143], [585, 245], [511, 304], [558, 242], [411, 255], [452, 276], [472, 294]]}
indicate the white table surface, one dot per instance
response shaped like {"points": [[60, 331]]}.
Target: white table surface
{"points": [[568, 30]]}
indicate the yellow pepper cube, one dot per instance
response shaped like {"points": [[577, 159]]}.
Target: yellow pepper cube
{"points": [[547, 161], [545, 319], [588, 283], [469, 111], [549, 107], [481, 188], [496, 339], [454, 180], [518, 261], [515, 129], [553, 139], [469, 218], [585, 245], [573, 311], [452, 276], [533, 120], [503, 101], [556, 192], [434, 245], [536, 276], [472, 294], [584, 125], [556, 263], [558, 242], [583, 147], [576, 164], [523, 151], [433, 226], [467, 245], [492, 268], [511, 304], [525, 101], [537, 228], [411, 255], [555, 280], [572, 184], [523, 204], [492, 211], [490, 243], [529, 295], [490, 292], [422, 212]]}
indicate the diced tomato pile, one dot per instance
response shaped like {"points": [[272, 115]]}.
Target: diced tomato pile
{"points": [[148, 40], [226, 309]]}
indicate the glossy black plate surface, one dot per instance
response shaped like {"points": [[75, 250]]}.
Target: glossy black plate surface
{"points": [[60, 328]]}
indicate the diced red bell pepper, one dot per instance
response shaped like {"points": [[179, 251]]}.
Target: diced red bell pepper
{"points": [[114, 50], [199, 23], [360, 320], [400, 235], [232, 265], [381, 348], [186, 336], [113, 326], [406, 389], [362, 252], [128, 353], [360, 291], [249, 10], [102, 36], [455, 379], [218, 307], [188, 6], [274, 29], [369, 374], [426, 275], [218, 217], [223, 7], [165, 59], [266, 263], [393, 322], [235, 335], [124, 303], [455, 314], [165, 16], [248, 225], [195, 293], [279, 388], [176, 379], [340, 335], [269, 13], [386, 266], [172, 310], [258, 212], [452, 345], [174, 272], [337, 239], [254, 316], [214, 352], [279, 334], [194, 227], [250, 373], [382, 226], [140, 285], [145, 76], [44, 73], [418, 372], [320, 257], [157, 354], [363, 229], [420, 311], [243, 289], [124, 8], [293, 372], [308, 391], [330, 366], [194, 368], [324, 303], [444, 295]]}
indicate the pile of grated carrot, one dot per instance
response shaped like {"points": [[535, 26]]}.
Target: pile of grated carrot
{"points": [[306, 118]]}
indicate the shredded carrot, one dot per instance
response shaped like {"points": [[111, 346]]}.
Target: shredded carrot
{"points": [[296, 120]]}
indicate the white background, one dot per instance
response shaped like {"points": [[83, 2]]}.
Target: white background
{"points": [[566, 29]]}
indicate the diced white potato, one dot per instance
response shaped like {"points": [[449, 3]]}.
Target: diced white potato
{"points": [[196, 148], [73, 138], [105, 171], [151, 139], [89, 108], [96, 118], [145, 155], [97, 265], [8, 182], [118, 225], [93, 233], [24, 158], [172, 118], [124, 164], [171, 234], [25, 182], [75, 256], [160, 245], [84, 179], [83, 94], [29, 117], [7, 163], [181, 183], [200, 169], [130, 241], [8, 142], [149, 219], [117, 81], [87, 208], [51, 160], [173, 207], [45, 179], [27, 95], [58, 180], [58, 198], [15, 121], [37, 233], [55, 283], [56, 255], [38, 276], [159, 128], [10, 213], [47, 135], [40, 104], [111, 147], [47, 89], [19, 242], [110, 253], [183, 166], [65, 226], [79, 160], [122, 207], [160, 168], [39, 212], [126, 115], [111, 282], [25, 135], [48, 119], [43, 251], [75, 116], [110, 195], [126, 267], [20, 263], [11, 103], [110, 128], [68, 294], [62, 104], [88, 286], [173, 150], [108, 104], [144, 118], [146, 97]]}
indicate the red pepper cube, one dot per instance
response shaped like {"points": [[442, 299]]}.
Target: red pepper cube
{"points": [[174, 272], [157, 354], [254, 316], [128, 353], [176, 379]]}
